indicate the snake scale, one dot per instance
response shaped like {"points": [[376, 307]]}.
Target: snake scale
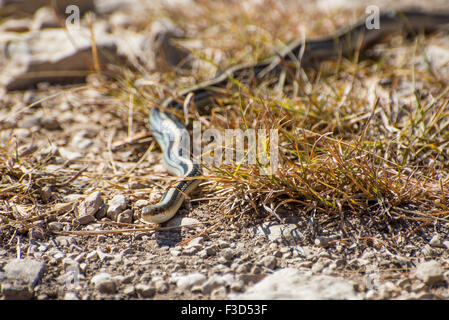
{"points": [[168, 131]]}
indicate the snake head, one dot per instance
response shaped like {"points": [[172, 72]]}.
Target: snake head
{"points": [[155, 214], [149, 211]]}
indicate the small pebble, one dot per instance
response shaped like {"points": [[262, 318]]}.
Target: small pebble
{"points": [[435, 241], [403, 283], [92, 255], [55, 226], [145, 291], [256, 270], [237, 286], [218, 293], [129, 290], [15, 291], [50, 123], [87, 209], [196, 242], [211, 284], [46, 195], [222, 244], [428, 251], [371, 295], [446, 244], [161, 286], [175, 253], [125, 216], [185, 282], [269, 262], [227, 254], [103, 283], [116, 205], [190, 251], [83, 267], [211, 250], [71, 296], [127, 251], [430, 272], [128, 278], [141, 203], [242, 268]]}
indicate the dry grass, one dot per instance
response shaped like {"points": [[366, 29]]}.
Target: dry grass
{"points": [[353, 136], [357, 136]]}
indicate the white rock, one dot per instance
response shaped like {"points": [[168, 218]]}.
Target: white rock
{"points": [[227, 254], [446, 244], [141, 203], [16, 25], [87, 208], [188, 281], [58, 256], [60, 5], [214, 282], [69, 155], [103, 256], [324, 241], [55, 226], [68, 262], [196, 242], [12, 291], [212, 249], [182, 221], [44, 18], [64, 240], [92, 255], [160, 286], [83, 267], [269, 261], [174, 252], [430, 272], [44, 55], [189, 251], [129, 290], [218, 293], [228, 278], [50, 123], [290, 283], [26, 270], [100, 277], [145, 290], [104, 283], [80, 257], [116, 205], [435, 241], [222, 244], [288, 233], [127, 251], [125, 216], [71, 296], [438, 55], [27, 149]]}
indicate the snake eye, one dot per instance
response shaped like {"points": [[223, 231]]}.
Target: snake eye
{"points": [[150, 211]]}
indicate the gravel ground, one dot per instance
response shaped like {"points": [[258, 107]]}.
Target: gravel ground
{"points": [[263, 261]]}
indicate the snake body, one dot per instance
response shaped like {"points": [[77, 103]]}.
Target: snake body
{"points": [[169, 132]]}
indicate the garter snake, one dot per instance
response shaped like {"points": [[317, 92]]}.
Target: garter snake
{"points": [[169, 132]]}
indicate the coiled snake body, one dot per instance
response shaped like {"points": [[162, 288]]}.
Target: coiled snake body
{"points": [[169, 132]]}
